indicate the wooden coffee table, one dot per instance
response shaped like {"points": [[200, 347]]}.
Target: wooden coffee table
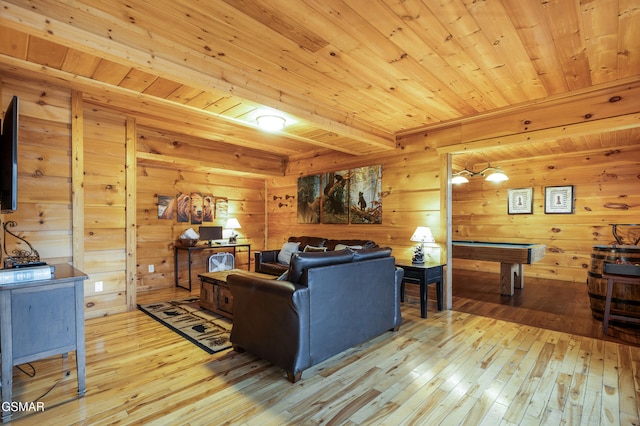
{"points": [[215, 294]]}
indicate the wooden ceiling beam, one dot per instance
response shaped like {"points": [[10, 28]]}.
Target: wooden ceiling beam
{"points": [[31, 21]]}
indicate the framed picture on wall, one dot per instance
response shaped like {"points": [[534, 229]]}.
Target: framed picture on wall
{"points": [[520, 200], [558, 199]]}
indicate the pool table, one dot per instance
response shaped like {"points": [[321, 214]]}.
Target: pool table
{"points": [[512, 257]]}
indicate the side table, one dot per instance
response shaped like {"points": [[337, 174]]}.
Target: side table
{"points": [[423, 274]]}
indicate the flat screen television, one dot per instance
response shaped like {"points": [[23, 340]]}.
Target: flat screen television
{"points": [[9, 159], [210, 233]]}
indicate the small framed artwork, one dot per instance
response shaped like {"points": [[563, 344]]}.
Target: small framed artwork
{"points": [[520, 201], [558, 199]]}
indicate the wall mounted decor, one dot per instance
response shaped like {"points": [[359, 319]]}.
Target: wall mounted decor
{"points": [[520, 201], [166, 207], [182, 207], [222, 208], [558, 199], [208, 206], [196, 208], [335, 198], [309, 199], [365, 195]]}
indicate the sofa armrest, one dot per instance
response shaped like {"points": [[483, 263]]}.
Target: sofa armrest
{"points": [[265, 256], [271, 320]]}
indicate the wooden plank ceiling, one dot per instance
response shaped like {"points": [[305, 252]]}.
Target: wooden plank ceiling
{"points": [[347, 75]]}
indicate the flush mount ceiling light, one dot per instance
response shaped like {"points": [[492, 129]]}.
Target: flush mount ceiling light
{"points": [[493, 174], [271, 123]]}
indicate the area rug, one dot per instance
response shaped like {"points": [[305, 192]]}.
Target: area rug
{"points": [[206, 329]]}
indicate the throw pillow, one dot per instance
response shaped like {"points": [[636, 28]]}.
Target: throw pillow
{"points": [[344, 246], [284, 256], [313, 248]]}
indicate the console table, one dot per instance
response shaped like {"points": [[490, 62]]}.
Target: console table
{"points": [[189, 250], [423, 274], [39, 319]]}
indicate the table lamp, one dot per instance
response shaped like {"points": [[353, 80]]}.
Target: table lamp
{"points": [[232, 224], [421, 235]]}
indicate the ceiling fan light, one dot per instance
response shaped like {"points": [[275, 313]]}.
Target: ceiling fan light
{"points": [[497, 176], [271, 123]]}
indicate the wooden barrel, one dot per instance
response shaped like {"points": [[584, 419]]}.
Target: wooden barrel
{"points": [[625, 299]]}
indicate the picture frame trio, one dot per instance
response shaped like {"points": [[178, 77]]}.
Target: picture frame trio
{"points": [[557, 200], [341, 197]]}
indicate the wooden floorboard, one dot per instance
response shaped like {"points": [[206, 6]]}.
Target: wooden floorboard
{"points": [[451, 368]]}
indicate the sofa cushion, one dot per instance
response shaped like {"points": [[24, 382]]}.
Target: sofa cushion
{"points": [[344, 246], [303, 261], [286, 251], [309, 241], [371, 253], [331, 244], [313, 248]]}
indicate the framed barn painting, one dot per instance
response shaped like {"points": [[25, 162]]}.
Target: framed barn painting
{"points": [[365, 195], [309, 199], [335, 197]]}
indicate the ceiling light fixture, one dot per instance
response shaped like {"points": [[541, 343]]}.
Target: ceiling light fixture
{"points": [[493, 174], [271, 123]]}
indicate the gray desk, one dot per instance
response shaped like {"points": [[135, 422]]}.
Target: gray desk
{"points": [[40, 319]]}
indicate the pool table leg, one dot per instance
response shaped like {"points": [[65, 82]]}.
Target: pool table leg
{"points": [[511, 275]]}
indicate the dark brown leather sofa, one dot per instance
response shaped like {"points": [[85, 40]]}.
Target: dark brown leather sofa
{"points": [[331, 301], [266, 261]]}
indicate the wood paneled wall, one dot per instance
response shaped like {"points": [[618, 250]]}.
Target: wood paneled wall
{"points": [[156, 237], [606, 184], [44, 188], [411, 197], [46, 215]]}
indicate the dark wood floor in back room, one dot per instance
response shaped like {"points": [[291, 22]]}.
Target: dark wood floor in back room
{"points": [[551, 304]]}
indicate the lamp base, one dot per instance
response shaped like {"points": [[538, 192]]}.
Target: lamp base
{"points": [[417, 262]]}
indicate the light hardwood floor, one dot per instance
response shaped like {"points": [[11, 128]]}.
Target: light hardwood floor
{"points": [[451, 368]]}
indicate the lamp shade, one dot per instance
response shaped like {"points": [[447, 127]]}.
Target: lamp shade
{"points": [[497, 176], [232, 223], [423, 234]]}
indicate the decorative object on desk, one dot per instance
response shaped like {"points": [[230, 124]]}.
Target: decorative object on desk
{"points": [[558, 199], [189, 238], [205, 329], [19, 258], [520, 201], [233, 224], [421, 235]]}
